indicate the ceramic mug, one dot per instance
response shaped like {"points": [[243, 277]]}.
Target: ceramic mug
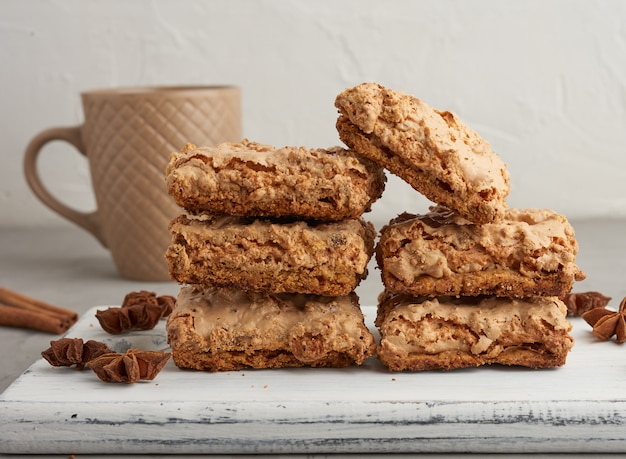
{"points": [[127, 137]]}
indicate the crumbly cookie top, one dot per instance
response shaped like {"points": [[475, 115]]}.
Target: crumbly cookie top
{"points": [[490, 319], [275, 231], [284, 158], [266, 318]]}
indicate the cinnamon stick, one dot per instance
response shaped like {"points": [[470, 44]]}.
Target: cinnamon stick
{"points": [[24, 318], [19, 310], [13, 298]]}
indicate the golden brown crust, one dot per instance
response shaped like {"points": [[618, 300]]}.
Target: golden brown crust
{"points": [[433, 151], [266, 256], [451, 360], [221, 330], [250, 179], [530, 252], [447, 333]]}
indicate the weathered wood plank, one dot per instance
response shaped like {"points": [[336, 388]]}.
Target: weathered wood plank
{"points": [[580, 407]]}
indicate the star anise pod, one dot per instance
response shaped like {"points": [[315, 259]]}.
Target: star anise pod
{"points": [[607, 323], [140, 310], [165, 302], [129, 367], [581, 302], [66, 352]]}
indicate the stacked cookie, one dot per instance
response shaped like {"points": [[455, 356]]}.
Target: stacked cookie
{"points": [[271, 246], [471, 282]]}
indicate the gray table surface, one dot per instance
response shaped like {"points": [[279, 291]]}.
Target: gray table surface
{"points": [[67, 267]]}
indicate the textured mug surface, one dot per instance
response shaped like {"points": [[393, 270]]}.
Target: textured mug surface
{"points": [[128, 135]]}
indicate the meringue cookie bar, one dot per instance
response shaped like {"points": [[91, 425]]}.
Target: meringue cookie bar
{"points": [[251, 179], [228, 329], [433, 151], [446, 333], [530, 252], [270, 256]]}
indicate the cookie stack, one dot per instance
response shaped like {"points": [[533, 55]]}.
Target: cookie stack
{"points": [[270, 247], [471, 282]]}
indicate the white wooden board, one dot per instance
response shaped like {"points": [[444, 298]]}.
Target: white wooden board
{"points": [[580, 407]]}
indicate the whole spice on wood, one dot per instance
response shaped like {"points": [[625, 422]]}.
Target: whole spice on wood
{"points": [[129, 367], [66, 352], [167, 304], [607, 323], [140, 310], [581, 302]]}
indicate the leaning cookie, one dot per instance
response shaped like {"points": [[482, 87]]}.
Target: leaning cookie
{"points": [[221, 330], [529, 252], [447, 333], [250, 179], [434, 151], [271, 256]]}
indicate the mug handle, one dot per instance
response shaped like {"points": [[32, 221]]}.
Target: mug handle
{"points": [[86, 220]]}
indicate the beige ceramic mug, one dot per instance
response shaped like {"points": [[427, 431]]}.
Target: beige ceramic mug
{"points": [[127, 137]]}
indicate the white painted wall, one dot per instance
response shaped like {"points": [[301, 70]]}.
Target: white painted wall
{"points": [[543, 80]]}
